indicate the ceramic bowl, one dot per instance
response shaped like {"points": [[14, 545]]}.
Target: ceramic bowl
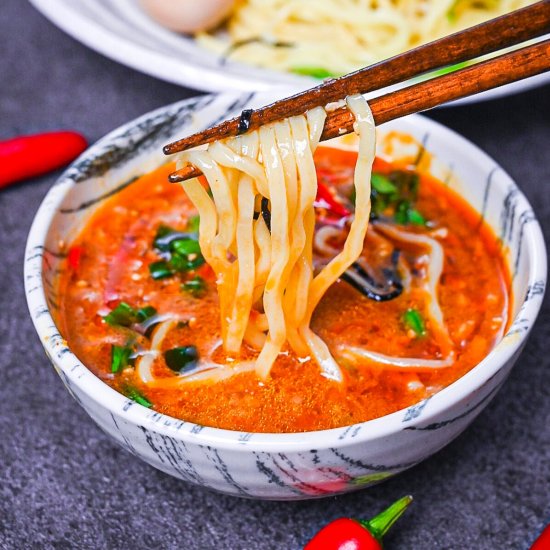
{"points": [[280, 466]]}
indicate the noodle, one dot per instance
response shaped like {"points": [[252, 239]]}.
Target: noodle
{"points": [[293, 35], [265, 279], [352, 353]]}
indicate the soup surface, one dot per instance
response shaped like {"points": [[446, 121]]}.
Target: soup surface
{"points": [[125, 278]]}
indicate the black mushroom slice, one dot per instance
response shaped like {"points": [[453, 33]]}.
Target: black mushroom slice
{"points": [[266, 212], [380, 289], [165, 238], [244, 121]]}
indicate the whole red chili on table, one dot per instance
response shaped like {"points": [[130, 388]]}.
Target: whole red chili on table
{"points": [[543, 542], [357, 534], [29, 156]]}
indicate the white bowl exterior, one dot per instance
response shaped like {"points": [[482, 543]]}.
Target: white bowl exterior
{"points": [[182, 449], [280, 466]]}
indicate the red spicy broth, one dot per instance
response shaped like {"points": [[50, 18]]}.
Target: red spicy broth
{"points": [[110, 261]]}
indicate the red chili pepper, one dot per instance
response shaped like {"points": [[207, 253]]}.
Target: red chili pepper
{"points": [[74, 255], [543, 542], [356, 534], [326, 199], [206, 272], [29, 156]]}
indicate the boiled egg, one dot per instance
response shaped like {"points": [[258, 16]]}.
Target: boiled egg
{"points": [[188, 16]]}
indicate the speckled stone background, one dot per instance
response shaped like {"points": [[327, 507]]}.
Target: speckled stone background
{"points": [[64, 484]]}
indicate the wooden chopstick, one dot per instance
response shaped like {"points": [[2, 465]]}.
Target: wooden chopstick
{"points": [[522, 63], [493, 35], [498, 33], [508, 68]]}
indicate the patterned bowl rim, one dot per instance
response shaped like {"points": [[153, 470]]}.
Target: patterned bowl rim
{"points": [[74, 372]]}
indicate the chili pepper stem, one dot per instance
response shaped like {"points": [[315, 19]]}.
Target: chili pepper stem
{"points": [[381, 524], [358, 534]]}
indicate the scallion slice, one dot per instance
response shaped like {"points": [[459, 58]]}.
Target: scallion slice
{"points": [[185, 247], [382, 184], [180, 251], [415, 217], [136, 396], [120, 358], [182, 359], [160, 270], [123, 315], [413, 320], [405, 214], [145, 313], [196, 286], [166, 236]]}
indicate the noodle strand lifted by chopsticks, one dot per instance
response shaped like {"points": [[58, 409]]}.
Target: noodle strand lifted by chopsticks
{"points": [[265, 278]]}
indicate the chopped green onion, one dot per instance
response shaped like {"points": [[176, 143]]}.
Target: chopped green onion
{"points": [[145, 313], [182, 359], [162, 232], [405, 215], [177, 263], [123, 315], [120, 357], [166, 237], [180, 263], [413, 320], [136, 396], [185, 247], [180, 251], [160, 270], [315, 72], [396, 192], [402, 212], [382, 184], [195, 286], [197, 262], [407, 183], [415, 217], [193, 224]]}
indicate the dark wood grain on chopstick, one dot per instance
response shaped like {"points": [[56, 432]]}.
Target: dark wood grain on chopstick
{"points": [[499, 33], [508, 68]]}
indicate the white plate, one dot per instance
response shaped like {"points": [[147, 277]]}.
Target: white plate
{"points": [[120, 30]]}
